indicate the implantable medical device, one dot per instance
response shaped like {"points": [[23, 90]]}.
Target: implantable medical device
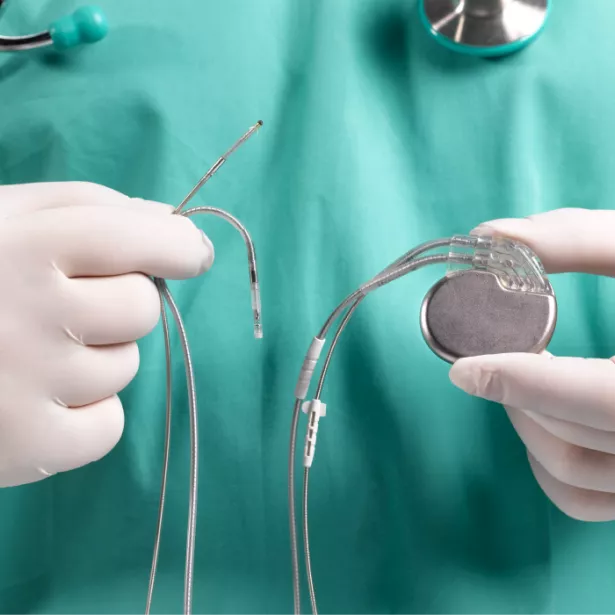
{"points": [[167, 299], [495, 298], [87, 24], [486, 28]]}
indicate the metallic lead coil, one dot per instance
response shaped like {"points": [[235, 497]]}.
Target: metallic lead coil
{"points": [[166, 299]]}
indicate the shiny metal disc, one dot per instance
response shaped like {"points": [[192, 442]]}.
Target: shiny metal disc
{"points": [[469, 313], [484, 27]]}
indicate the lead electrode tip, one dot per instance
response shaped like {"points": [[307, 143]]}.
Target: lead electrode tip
{"points": [[258, 331], [210, 173]]}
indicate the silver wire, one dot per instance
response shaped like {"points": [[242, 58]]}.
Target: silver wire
{"points": [[389, 275], [342, 326], [306, 541], [252, 269], [294, 548], [401, 267], [412, 254], [291, 480], [216, 166], [167, 447], [194, 446], [192, 506], [220, 213], [321, 382], [165, 295], [399, 263]]}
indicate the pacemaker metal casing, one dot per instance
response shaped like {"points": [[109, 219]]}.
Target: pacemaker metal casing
{"points": [[469, 313]]}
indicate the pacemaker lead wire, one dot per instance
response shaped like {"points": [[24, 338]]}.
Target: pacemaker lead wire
{"points": [[167, 299], [517, 313]]}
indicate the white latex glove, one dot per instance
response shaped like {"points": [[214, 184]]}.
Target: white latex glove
{"points": [[562, 408], [74, 300]]}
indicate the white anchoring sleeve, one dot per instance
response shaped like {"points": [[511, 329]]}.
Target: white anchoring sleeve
{"points": [[308, 367]]}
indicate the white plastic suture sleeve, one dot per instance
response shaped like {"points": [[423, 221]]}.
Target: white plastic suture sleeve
{"points": [[315, 409], [308, 367]]}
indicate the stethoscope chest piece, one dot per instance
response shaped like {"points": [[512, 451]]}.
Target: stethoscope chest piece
{"points": [[485, 28], [469, 313]]}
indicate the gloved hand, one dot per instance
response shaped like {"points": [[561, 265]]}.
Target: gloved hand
{"points": [[74, 300], [562, 408]]}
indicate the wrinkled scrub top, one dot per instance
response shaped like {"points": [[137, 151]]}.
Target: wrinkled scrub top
{"points": [[375, 139]]}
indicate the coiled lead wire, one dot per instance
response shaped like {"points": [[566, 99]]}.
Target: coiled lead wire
{"points": [[401, 267], [167, 298]]}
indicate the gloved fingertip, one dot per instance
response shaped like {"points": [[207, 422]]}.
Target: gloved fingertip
{"points": [[511, 227], [150, 207], [482, 376], [463, 375], [482, 230], [208, 261]]}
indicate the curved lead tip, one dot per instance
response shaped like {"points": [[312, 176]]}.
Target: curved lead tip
{"points": [[256, 308], [258, 331]]}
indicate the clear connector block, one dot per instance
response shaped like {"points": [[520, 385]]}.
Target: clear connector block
{"points": [[515, 265]]}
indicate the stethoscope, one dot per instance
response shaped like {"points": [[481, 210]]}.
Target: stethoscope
{"points": [[87, 24], [476, 27], [486, 28]]}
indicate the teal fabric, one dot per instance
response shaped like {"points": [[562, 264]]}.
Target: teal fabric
{"points": [[375, 139]]}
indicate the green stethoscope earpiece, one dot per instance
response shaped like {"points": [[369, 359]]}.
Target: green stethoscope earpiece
{"points": [[87, 24]]}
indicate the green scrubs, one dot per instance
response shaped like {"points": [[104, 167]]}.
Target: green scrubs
{"points": [[375, 139]]}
